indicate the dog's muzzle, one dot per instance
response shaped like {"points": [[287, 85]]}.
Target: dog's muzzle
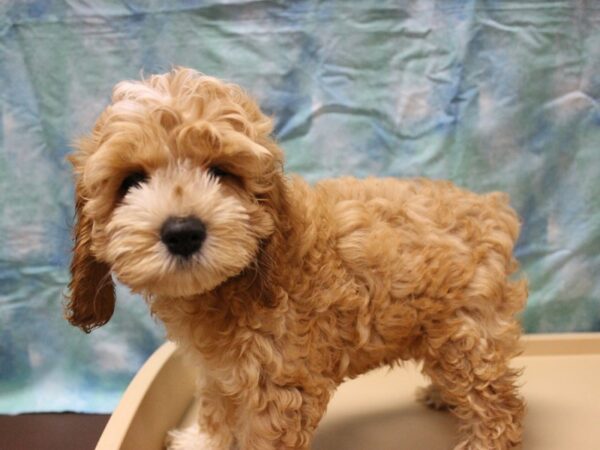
{"points": [[183, 236]]}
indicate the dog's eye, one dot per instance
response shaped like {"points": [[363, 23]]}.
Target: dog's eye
{"points": [[132, 180], [218, 172]]}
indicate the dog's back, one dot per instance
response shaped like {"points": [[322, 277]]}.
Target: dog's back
{"points": [[421, 251]]}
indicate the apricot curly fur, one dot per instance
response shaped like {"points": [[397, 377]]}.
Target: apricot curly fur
{"points": [[296, 288]]}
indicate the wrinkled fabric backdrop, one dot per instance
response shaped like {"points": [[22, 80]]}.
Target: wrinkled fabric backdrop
{"points": [[496, 95]]}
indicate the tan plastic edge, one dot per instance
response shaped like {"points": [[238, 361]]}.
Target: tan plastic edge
{"points": [[561, 344], [163, 380], [164, 383]]}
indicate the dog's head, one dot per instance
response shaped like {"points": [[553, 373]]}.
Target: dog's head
{"points": [[177, 187]]}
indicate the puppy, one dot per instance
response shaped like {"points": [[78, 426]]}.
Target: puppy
{"points": [[279, 291]]}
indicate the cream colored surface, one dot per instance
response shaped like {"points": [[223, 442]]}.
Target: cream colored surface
{"points": [[561, 383], [152, 404]]}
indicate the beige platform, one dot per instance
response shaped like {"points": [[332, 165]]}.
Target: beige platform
{"points": [[377, 411]]}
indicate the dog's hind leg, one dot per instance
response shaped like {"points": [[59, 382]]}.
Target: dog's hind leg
{"points": [[470, 367]]}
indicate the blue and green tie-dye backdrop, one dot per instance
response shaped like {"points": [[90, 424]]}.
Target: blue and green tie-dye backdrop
{"points": [[493, 95]]}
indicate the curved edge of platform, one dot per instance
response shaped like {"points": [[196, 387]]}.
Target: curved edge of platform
{"points": [[166, 384]]}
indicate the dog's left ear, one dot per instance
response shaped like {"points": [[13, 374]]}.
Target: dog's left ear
{"points": [[92, 299]]}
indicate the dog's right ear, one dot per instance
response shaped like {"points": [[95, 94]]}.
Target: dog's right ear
{"points": [[91, 302]]}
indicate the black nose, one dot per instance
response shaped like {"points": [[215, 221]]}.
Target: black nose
{"points": [[183, 236]]}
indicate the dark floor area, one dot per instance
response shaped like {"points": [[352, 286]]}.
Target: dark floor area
{"points": [[61, 431]]}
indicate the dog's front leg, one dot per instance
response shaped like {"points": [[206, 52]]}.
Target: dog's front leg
{"points": [[270, 417], [280, 417], [215, 424]]}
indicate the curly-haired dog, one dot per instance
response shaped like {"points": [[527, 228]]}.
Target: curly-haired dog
{"points": [[280, 291]]}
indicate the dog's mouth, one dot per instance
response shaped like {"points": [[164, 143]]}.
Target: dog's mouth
{"points": [[157, 270], [164, 244]]}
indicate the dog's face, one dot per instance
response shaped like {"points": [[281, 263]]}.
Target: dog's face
{"points": [[176, 190]]}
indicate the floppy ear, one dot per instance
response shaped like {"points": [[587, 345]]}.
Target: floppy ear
{"points": [[276, 201], [92, 299]]}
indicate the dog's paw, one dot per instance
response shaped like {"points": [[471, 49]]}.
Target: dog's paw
{"points": [[190, 438], [431, 397]]}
